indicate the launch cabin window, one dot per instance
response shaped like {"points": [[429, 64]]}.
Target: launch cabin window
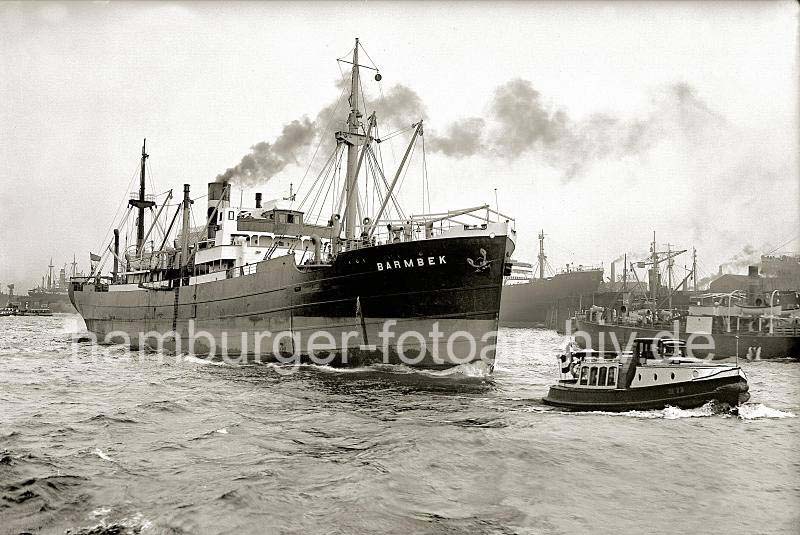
{"points": [[612, 377], [593, 376], [230, 215], [601, 380], [290, 218], [584, 375]]}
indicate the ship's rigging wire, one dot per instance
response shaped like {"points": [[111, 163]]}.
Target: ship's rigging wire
{"points": [[117, 212], [787, 242], [361, 45], [322, 136], [400, 213], [405, 171], [327, 169], [425, 183]]}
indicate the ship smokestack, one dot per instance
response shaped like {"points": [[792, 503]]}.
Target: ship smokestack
{"points": [[219, 195], [613, 275], [116, 254], [754, 286], [258, 200]]}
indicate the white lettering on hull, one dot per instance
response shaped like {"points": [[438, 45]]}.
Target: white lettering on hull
{"points": [[412, 263]]}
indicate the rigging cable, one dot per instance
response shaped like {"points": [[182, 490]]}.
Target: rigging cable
{"points": [[123, 203]]}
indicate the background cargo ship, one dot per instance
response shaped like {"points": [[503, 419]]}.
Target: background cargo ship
{"points": [[529, 301], [52, 293], [275, 268]]}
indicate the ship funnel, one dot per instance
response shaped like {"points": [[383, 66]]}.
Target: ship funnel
{"points": [[219, 196], [258, 200], [219, 190], [754, 296]]}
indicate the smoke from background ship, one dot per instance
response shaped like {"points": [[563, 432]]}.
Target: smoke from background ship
{"points": [[519, 123]]}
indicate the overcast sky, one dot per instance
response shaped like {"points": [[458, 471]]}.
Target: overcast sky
{"points": [[598, 122]]}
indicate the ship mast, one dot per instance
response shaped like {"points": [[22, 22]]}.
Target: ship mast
{"points": [[542, 257], [141, 203], [352, 153]]}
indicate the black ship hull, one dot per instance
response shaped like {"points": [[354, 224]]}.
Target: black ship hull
{"points": [[528, 304], [687, 395], [447, 290]]}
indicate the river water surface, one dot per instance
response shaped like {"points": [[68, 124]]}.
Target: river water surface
{"points": [[115, 444]]}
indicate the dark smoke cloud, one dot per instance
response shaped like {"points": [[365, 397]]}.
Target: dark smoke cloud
{"points": [[519, 122], [463, 138], [522, 123], [399, 108], [265, 160]]}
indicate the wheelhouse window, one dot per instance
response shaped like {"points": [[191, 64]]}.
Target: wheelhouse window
{"points": [[230, 215], [612, 377], [290, 218]]}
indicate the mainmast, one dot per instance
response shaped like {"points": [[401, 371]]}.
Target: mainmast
{"points": [[141, 203], [352, 153], [542, 257], [50, 275]]}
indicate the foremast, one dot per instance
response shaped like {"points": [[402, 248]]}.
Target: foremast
{"points": [[141, 203]]}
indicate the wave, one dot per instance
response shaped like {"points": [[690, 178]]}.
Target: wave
{"points": [[215, 432], [196, 360], [747, 411], [164, 405], [128, 525], [667, 413], [757, 411], [110, 419], [99, 453]]}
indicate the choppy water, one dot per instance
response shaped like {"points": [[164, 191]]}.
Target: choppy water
{"points": [[151, 445]]}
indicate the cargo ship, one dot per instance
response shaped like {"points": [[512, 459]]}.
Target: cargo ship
{"points": [[53, 292], [529, 301], [358, 285]]}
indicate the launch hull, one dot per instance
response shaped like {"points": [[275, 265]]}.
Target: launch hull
{"points": [[431, 303]]}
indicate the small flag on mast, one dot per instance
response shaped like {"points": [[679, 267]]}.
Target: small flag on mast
{"points": [[93, 257]]}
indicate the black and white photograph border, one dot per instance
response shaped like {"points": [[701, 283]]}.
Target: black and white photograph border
{"points": [[399, 267]]}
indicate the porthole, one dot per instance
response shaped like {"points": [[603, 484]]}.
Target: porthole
{"points": [[655, 377], [672, 376], [640, 377], [695, 374]]}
